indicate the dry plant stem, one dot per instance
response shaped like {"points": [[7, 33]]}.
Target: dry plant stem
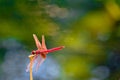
{"points": [[31, 58]]}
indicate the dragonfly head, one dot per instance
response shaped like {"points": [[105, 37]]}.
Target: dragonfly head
{"points": [[33, 52]]}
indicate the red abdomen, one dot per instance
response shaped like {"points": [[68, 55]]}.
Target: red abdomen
{"points": [[55, 49], [49, 50]]}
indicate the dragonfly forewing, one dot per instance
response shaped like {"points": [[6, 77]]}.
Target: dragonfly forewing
{"points": [[38, 44], [43, 43]]}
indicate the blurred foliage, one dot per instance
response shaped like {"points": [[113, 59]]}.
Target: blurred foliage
{"points": [[90, 30]]}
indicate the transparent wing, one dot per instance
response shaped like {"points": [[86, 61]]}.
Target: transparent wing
{"points": [[40, 59], [31, 62], [36, 62], [38, 44]]}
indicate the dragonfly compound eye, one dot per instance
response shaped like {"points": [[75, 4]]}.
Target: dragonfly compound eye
{"points": [[33, 52]]}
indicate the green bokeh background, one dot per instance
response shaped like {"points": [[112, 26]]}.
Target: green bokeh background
{"points": [[89, 30]]}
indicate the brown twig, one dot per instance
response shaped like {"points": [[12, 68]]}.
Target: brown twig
{"points": [[31, 60]]}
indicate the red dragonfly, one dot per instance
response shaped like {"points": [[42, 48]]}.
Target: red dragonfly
{"points": [[41, 52]]}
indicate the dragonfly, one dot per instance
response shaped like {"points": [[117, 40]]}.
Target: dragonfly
{"points": [[40, 54]]}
